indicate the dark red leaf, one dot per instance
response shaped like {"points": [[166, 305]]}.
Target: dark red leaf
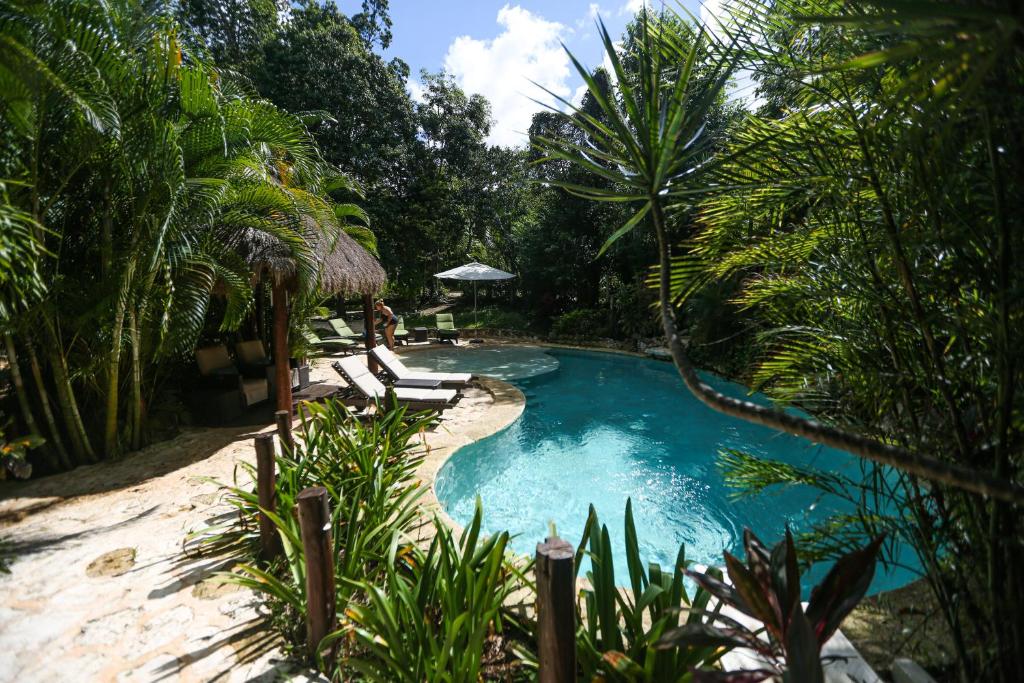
{"points": [[803, 653], [841, 590], [750, 590]]}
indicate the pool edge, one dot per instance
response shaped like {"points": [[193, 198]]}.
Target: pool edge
{"points": [[507, 407]]}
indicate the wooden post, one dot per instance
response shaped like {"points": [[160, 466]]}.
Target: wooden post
{"points": [[370, 335], [556, 611], [314, 525], [284, 430], [270, 542], [282, 370]]}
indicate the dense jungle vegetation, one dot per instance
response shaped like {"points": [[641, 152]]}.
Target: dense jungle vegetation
{"points": [[847, 242]]}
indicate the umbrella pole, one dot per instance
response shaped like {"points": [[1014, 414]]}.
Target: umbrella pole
{"points": [[476, 328]]}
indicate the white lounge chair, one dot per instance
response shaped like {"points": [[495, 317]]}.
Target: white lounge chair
{"points": [[355, 372], [394, 366]]}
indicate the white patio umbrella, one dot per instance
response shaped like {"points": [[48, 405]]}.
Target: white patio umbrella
{"points": [[476, 272]]}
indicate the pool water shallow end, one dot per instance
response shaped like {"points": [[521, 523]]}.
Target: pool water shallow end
{"points": [[603, 427]]}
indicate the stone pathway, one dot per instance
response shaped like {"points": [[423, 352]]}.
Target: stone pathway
{"points": [[100, 588]]}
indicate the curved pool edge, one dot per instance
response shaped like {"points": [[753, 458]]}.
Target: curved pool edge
{"points": [[507, 407]]}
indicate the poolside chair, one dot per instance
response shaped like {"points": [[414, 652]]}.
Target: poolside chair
{"points": [[341, 328], [222, 392], [253, 360], [394, 366], [401, 334], [359, 377], [329, 344], [446, 330]]}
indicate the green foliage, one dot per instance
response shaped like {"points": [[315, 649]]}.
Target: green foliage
{"points": [[583, 322], [14, 452], [406, 613], [767, 588], [368, 471], [858, 233], [622, 635], [142, 181], [436, 612]]}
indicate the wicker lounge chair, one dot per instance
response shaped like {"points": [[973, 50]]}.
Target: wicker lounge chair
{"points": [[222, 392], [446, 330], [394, 366], [359, 377]]}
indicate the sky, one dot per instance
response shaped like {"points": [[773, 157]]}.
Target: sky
{"points": [[497, 47]]}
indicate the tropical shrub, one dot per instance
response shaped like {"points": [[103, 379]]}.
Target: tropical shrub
{"points": [[767, 589], [368, 471], [621, 637], [137, 181], [583, 322], [866, 213], [439, 615]]}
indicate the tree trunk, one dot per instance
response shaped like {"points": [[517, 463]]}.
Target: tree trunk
{"points": [[918, 464], [282, 370], [69, 408], [138, 409], [44, 399], [110, 441], [23, 402]]}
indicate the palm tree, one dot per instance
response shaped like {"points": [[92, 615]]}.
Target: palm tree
{"points": [[147, 172], [868, 216]]}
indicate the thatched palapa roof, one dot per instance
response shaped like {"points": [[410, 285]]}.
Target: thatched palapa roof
{"points": [[342, 265], [346, 267]]}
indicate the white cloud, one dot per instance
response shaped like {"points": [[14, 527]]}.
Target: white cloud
{"points": [[501, 69], [416, 91], [632, 7]]}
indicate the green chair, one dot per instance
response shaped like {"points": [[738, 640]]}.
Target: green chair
{"points": [[401, 334], [342, 329], [446, 330], [329, 345]]}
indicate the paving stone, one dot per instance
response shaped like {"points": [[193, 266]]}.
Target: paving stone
{"points": [[110, 628]]}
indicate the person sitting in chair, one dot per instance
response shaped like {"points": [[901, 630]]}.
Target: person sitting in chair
{"points": [[390, 320]]}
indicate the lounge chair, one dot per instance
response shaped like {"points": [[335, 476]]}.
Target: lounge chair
{"points": [[359, 377], [222, 392], [253, 360], [446, 330], [401, 334], [329, 344], [394, 366], [342, 329]]}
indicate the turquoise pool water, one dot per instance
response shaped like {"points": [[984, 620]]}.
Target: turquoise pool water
{"points": [[600, 428]]}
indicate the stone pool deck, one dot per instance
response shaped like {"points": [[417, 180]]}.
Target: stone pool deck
{"points": [[100, 588]]}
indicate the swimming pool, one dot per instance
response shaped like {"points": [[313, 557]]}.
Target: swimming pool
{"points": [[600, 428]]}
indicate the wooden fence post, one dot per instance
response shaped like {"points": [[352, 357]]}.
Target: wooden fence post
{"points": [[270, 542], [317, 546], [556, 611], [284, 430]]}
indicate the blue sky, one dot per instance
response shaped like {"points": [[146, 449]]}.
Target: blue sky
{"points": [[496, 47]]}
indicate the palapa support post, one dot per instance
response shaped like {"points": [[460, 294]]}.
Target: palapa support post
{"points": [[556, 611], [282, 369], [284, 429], [370, 334], [270, 542], [317, 546]]}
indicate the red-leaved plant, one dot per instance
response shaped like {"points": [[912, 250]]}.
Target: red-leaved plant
{"points": [[767, 588]]}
